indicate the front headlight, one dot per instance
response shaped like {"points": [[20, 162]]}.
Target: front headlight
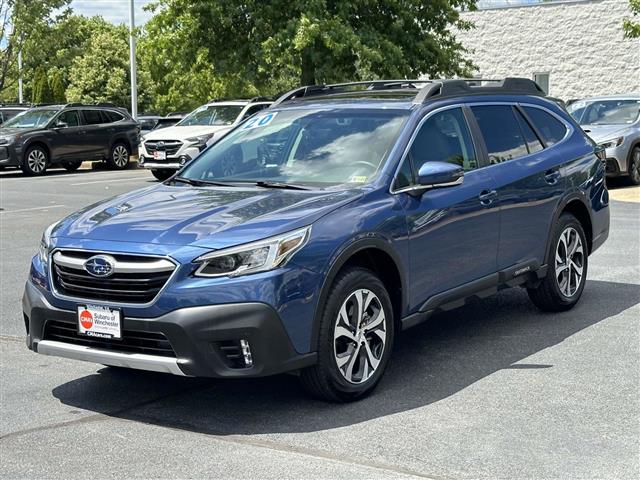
{"points": [[616, 142], [45, 243], [252, 257], [201, 140]]}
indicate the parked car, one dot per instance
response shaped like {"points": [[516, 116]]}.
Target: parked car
{"points": [[67, 135], [168, 121], [613, 122], [310, 235], [8, 111], [163, 152], [147, 123]]}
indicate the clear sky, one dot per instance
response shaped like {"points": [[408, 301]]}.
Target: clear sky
{"points": [[115, 11]]}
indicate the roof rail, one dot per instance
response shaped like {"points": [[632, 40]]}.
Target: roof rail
{"points": [[432, 89], [468, 86]]}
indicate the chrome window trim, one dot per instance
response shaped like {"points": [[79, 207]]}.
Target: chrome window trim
{"points": [[569, 132], [80, 300]]}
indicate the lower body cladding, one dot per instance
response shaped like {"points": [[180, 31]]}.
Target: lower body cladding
{"points": [[229, 340]]}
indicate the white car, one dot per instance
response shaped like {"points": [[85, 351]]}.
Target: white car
{"points": [[166, 150]]}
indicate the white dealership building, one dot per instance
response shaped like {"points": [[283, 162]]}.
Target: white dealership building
{"points": [[573, 48]]}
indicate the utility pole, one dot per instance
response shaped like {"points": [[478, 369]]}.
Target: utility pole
{"points": [[20, 97], [132, 60]]}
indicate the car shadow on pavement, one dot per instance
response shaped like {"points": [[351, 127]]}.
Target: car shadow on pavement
{"points": [[431, 362]]}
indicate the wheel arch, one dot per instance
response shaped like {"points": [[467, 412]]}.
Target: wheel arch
{"points": [[376, 255], [576, 205], [37, 143]]}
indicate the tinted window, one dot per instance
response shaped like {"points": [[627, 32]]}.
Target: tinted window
{"points": [[405, 175], [70, 117], [253, 109], [501, 132], [533, 142], [112, 116], [92, 117], [551, 129], [444, 137]]}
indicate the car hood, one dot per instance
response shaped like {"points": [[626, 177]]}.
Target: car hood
{"points": [[9, 132], [601, 133], [181, 133], [208, 217]]}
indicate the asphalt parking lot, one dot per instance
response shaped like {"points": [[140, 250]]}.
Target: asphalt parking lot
{"points": [[494, 389]]}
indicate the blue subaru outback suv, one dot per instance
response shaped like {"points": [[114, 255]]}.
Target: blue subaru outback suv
{"points": [[314, 232]]}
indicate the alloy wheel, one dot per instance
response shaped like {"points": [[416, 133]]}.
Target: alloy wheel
{"points": [[120, 156], [634, 168], [360, 335], [37, 161], [569, 262]]}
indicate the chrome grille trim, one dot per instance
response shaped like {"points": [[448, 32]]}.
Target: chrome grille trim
{"points": [[154, 266]]}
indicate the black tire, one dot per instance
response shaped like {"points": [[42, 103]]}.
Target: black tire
{"points": [[162, 174], [119, 156], [325, 379], [35, 162], [71, 166], [634, 166], [553, 294]]}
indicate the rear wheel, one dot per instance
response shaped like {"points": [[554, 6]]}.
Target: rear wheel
{"points": [[119, 156], [567, 268], [71, 166], [162, 174], [36, 160], [355, 339], [634, 166]]}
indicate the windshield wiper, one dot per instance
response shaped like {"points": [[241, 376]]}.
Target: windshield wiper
{"points": [[290, 186], [199, 183]]}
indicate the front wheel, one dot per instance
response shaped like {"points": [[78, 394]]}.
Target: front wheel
{"points": [[36, 160], [634, 166], [162, 174], [119, 157], [567, 265], [355, 339]]}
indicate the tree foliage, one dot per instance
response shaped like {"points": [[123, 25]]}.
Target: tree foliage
{"points": [[41, 89], [632, 25], [278, 44], [57, 88]]}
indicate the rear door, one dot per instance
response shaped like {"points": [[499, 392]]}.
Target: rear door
{"points": [[453, 231], [529, 182], [97, 134]]}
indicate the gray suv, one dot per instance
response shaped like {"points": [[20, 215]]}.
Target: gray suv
{"points": [[614, 123]]}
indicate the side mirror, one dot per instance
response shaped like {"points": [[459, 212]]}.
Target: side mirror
{"points": [[60, 124], [440, 174]]}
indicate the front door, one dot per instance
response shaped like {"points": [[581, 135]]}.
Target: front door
{"points": [[453, 231]]}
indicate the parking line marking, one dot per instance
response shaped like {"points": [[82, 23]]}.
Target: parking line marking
{"points": [[107, 181], [32, 209]]}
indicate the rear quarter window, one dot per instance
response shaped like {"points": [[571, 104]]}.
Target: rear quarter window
{"points": [[112, 116], [550, 128]]}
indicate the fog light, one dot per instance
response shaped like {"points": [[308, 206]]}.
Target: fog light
{"points": [[184, 159], [246, 352], [141, 160]]}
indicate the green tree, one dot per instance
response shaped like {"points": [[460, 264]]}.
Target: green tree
{"points": [[632, 26], [21, 20], [101, 72], [277, 44], [57, 88]]}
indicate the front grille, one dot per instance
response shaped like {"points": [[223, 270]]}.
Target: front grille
{"points": [[169, 146], [133, 341], [135, 279]]}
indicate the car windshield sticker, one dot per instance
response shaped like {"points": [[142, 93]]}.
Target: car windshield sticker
{"points": [[358, 179], [260, 121]]}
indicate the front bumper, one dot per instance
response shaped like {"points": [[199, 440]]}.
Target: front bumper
{"points": [[185, 154], [9, 157], [197, 335], [616, 163]]}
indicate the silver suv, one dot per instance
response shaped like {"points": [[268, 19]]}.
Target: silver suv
{"points": [[614, 123]]}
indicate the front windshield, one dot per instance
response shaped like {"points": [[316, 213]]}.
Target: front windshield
{"points": [[605, 112], [323, 148], [31, 119], [212, 115]]}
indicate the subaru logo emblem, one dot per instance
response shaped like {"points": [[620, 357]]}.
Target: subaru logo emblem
{"points": [[160, 145], [100, 265]]}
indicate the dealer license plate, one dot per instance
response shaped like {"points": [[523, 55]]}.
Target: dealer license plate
{"points": [[99, 321], [159, 155]]}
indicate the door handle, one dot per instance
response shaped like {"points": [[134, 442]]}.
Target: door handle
{"points": [[552, 176], [487, 196]]}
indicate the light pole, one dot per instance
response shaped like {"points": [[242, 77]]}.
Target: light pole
{"points": [[132, 60], [20, 98]]}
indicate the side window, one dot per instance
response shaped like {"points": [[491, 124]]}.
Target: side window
{"points": [[70, 117], [551, 129], [112, 116], [254, 109], [444, 137], [92, 117], [501, 132], [533, 142], [405, 175]]}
